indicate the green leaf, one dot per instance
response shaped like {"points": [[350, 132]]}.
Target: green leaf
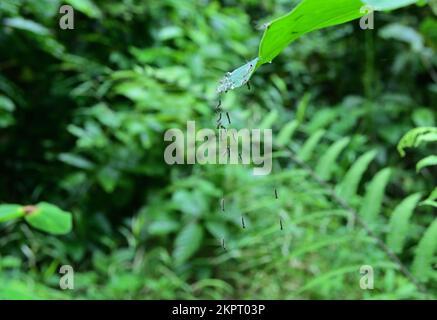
{"points": [[426, 162], [388, 4], [400, 222], [310, 144], [327, 161], [403, 33], [268, 121], [26, 25], [187, 242], [308, 16], [49, 218], [349, 185], [85, 6], [163, 227], [431, 200], [372, 201], [76, 161], [286, 133], [10, 212], [414, 137], [422, 263]]}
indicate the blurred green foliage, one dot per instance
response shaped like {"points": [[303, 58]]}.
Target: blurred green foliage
{"points": [[82, 118]]}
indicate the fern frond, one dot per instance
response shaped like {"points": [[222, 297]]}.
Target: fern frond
{"points": [[307, 149], [347, 188], [399, 222], [286, 133], [426, 162], [413, 138], [425, 250], [326, 163], [372, 201], [431, 200]]}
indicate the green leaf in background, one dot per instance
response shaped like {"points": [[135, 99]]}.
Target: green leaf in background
{"points": [[76, 161], [15, 290], [10, 212], [403, 33], [374, 195], [86, 7], [286, 133], [49, 218], [388, 4], [26, 25], [414, 137], [431, 200], [349, 185], [422, 264], [187, 242], [269, 120], [400, 222], [426, 162], [307, 149], [327, 162], [163, 227]]}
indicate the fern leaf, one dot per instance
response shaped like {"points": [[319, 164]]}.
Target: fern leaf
{"points": [[269, 120], [307, 150], [399, 222], [286, 133], [426, 162], [349, 185], [415, 137], [372, 202], [425, 253], [326, 163], [431, 200]]}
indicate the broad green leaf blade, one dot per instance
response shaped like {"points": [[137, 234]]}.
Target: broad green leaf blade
{"points": [[187, 242], [400, 222], [310, 144], [372, 201], [10, 212], [327, 161], [388, 4], [238, 77], [425, 253], [308, 16], [349, 185], [426, 162], [49, 218]]}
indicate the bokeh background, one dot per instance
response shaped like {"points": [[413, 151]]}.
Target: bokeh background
{"points": [[82, 118]]}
